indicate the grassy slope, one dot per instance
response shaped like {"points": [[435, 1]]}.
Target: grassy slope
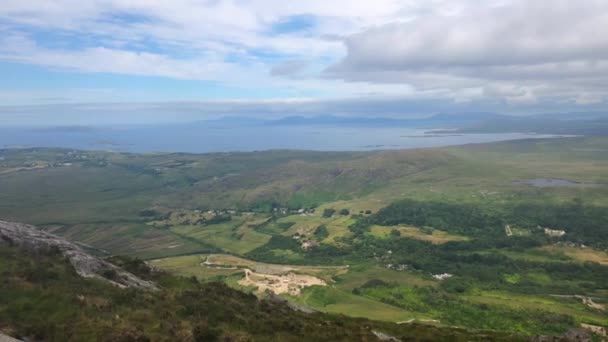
{"points": [[105, 197], [43, 299], [100, 205]]}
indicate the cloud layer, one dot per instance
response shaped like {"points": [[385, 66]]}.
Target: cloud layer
{"points": [[513, 54], [519, 50]]}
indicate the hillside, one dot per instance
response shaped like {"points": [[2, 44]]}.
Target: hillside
{"points": [[507, 237], [98, 197], [43, 297]]}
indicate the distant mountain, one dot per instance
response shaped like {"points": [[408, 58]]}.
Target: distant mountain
{"points": [[232, 121], [429, 122], [588, 127], [573, 116], [583, 123], [338, 120], [466, 117], [435, 121]]}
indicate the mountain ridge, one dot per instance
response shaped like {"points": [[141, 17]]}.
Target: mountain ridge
{"points": [[86, 265]]}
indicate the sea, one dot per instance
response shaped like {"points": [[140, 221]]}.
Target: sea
{"points": [[197, 138]]}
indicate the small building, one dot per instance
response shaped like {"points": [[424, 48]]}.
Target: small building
{"points": [[442, 276], [401, 267], [555, 232]]}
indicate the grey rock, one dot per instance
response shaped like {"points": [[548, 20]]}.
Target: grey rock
{"points": [[385, 337], [4, 338], [86, 265]]}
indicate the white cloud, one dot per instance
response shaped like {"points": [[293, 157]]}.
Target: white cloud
{"points": [[589, 98], [521, 32], [520, 52], [539, 46]]}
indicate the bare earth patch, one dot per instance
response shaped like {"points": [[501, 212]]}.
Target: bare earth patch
{"points": [[596, 329], [290, 283], [580, 253]]}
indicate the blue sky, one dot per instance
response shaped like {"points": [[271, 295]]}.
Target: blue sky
{"points": [[231, 57]]}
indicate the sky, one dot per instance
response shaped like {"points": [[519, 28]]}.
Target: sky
{"points": [[150, 61]]}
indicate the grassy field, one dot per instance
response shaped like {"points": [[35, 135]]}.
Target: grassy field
{"points": [[94, 188], [190, 265], [333, 300], [551, 304], [577, 253], [226, 264], [434, 236], [306, 225], [360, 274], [162, 207], [234, 236]]}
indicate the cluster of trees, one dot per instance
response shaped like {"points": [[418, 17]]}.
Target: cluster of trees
{"points": [[466, 219], [473, 262], [478, 262], [583, 223], [321, 232], [328, 212]]}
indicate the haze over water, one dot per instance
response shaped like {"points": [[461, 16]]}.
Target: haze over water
{"points": [[198, 139]]}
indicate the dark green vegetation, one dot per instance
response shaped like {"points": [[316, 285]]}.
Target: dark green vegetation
{"points": [[329, 212], [399, 219], [587, 224], [42, 298], [454, 311]]}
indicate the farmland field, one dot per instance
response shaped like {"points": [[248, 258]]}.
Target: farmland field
{"points": [[395, 235]]}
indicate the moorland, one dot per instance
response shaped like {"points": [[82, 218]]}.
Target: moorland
{"points": [[462, 236]]}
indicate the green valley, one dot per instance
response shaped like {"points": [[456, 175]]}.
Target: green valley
{"points": [[466, 236]]}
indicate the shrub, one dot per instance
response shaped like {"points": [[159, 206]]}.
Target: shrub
{"points": [[329, 212]]}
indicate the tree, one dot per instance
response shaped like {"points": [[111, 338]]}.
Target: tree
{"points": [[344, 212], [329, 212], [321, 232]]}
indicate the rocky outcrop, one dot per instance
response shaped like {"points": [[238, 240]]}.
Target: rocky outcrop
{"points": [[5, 338], [86, 265]]}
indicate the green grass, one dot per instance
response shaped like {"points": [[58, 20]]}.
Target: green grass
{"points": [[100, 205], [571, 307], [586, 254], [452, 310], [336, 225], [43, 298], [231, 236], [333, 300], [190, 265], [115, 191], [360, 274], [534, 255], [434, 236]]}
